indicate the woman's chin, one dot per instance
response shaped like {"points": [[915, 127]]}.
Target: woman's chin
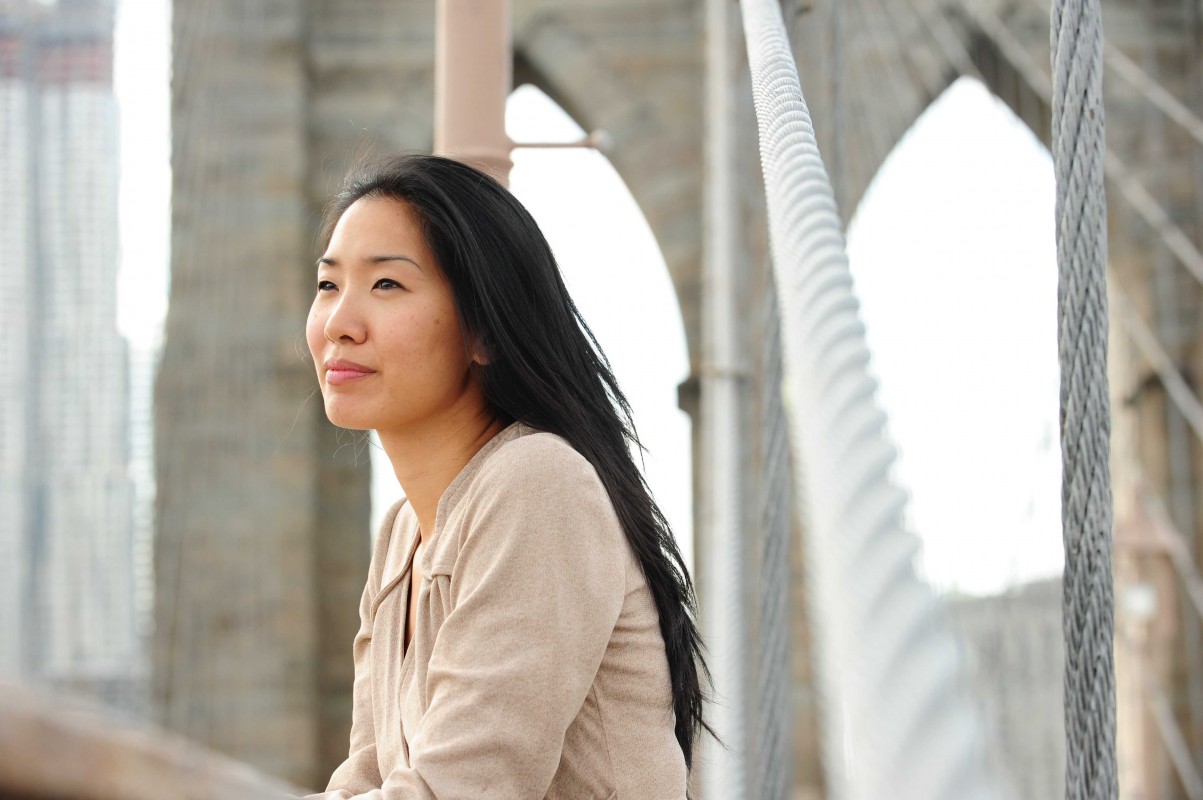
{"points": [[349, 427], [351, 419]]}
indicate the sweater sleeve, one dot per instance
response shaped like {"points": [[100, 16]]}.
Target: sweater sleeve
{"points": [[535, 591]]}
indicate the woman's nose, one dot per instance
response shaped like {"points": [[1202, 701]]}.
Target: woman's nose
{"points": [[345, 323]]}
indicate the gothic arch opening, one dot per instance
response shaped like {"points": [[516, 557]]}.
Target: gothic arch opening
{"points": [[952, 248]]}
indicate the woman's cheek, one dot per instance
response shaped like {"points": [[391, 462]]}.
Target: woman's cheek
{"points": [[314, 326]]}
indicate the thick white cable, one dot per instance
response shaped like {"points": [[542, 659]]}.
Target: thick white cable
{"points": [[894, 723]]}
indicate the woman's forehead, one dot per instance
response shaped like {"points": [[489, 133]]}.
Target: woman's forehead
{"points": [[375, 226]]}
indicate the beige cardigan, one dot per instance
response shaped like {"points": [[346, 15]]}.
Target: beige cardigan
{"points": [[536, 667]]}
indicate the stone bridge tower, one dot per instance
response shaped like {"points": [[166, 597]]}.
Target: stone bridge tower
{"points": [[262, 507]]}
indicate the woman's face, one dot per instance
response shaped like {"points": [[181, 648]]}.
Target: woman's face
{"points": [[383, 329]]}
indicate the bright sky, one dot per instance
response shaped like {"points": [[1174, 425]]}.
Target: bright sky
{"points": [[140, 73], [954, 259], [952, 253]]}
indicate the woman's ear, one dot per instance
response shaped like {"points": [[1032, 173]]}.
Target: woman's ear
{"points": [[479, 353]]}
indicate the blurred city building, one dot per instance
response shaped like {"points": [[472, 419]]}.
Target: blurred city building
{"points": [[66, 572]]}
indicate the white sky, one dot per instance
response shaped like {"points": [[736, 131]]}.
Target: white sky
{"points": [[953, 256], [140, 74]]}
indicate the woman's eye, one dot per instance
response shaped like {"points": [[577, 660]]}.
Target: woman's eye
{"points": [[387, 283], [325, 286]]}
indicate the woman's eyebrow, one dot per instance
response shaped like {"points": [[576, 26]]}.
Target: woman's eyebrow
{"points": [[331, 262]]}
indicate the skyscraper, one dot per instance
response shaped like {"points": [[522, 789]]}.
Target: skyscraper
{"points": [[66, 574]]}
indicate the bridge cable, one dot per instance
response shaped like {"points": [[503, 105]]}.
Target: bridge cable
{"points": [[894, 724], [1086, 515]]}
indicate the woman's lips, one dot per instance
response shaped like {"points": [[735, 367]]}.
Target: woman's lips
{"points": [[340, 372], [338, 377]]}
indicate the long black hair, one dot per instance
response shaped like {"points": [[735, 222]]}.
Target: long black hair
{"points": [[545, 368]]}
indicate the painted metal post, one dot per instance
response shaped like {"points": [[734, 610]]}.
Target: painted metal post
{"points": [[723, 606], [473, 75]]}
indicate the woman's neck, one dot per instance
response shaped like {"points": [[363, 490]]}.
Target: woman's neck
{"points": [[427, 459]]}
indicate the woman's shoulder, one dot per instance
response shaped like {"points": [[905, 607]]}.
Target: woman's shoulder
{"points": [[531, 488], [540, 472], [533, 454]]}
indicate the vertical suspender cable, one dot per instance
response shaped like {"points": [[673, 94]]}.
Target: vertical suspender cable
{"points": [[894, 724], [723, 607], [773, 711], [1078, 158]]}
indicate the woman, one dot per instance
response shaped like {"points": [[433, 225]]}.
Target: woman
{"points": [[526, 627]]}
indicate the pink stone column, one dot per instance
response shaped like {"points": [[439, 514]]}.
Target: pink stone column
{"points": [[473, 75]]}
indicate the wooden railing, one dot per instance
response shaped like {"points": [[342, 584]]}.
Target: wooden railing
{"points": [[54, 749]]}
